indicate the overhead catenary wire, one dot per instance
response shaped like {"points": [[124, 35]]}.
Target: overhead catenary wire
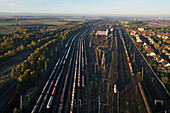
{"points": [[94, 99]]}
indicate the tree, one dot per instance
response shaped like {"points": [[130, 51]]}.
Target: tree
{"points": [[33, 43], [32, 65], [39, 64], [16, 110], [18, 69], [12, 72], [23, 80], [139, 75], [165, 80], [162, 74], [10, 53], [41, 73], [20, 48], [33, 76], [160, 42], [17, 28], [164, 40], [154, 65], [156, 45], [25, 39], [27, 73], [127, 30]]}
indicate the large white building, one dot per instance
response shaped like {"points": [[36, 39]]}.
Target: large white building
{"points": [[102, 33]]}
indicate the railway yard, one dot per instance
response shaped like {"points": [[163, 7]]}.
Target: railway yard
{"points": [[71, 59], [97, 73]]}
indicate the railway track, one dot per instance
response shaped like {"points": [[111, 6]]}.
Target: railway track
{"points": [[128, 98], [61, 92], [51, 85], [155, 90], [122, 83], [122, 77], [65, 91]]}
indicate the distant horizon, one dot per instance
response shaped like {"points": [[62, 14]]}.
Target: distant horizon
{"points": [[66, 14], [89, 7]]}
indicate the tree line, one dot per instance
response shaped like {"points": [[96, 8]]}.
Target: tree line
{"points": [[33, 68], [11, 44]]}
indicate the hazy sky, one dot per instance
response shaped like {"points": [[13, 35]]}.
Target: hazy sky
{"points": [[107, 7]]}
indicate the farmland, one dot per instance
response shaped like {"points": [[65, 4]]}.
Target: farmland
{"points": [[56, 23], [10, 24], [3, 29], [43, 43], [7, 24]]}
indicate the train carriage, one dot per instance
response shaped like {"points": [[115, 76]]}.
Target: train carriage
{"points": [[50, 102]]}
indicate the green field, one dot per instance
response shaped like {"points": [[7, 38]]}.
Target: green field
{"points": [[6, 24]]}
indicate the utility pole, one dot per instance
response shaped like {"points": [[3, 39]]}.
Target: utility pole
{"points": [[45, 65], [134, 55], [142, 73], [99, 105], [90, 44], [117, 101], [95, 67], [56, 49], [136, 91], [80, 102], [28, 96], [61, 42], [104, 62], [20, 103]]}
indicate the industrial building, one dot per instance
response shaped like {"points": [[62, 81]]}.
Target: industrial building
{"points": [[102, 33]]}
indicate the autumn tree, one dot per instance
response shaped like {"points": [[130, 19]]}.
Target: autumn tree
{"points": [[156, 45]]}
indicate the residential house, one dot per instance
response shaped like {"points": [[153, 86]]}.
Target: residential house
{"points": [[159, 59], [147, 36], [164, 51], [151, 54], [167, 54], [139, 41], [136, 35], [164, 34], [159, 35], [127, 25], [140, 29], [168, 70], [165, 63], [133, 32], [168, 47], [161, 69], [147, 47], [151, 40], [164, 37], [144, 44]]}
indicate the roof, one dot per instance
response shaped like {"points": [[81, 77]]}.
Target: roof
{"points": [[101, 33], [165, 63], [139, 40], [163, 51], [158, 58], [164, 34]]}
